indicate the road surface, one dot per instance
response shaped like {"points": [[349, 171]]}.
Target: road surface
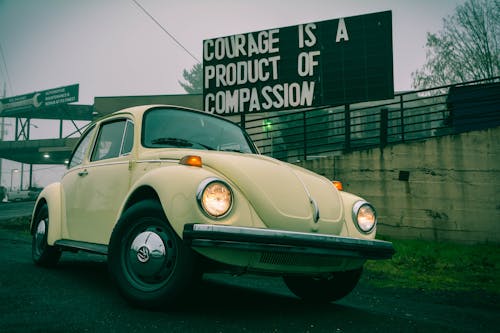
{"points": [[78, 296], [9, 210]]}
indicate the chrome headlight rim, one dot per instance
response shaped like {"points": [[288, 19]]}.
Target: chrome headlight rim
{"points": [[201, 190], [355, 211]]}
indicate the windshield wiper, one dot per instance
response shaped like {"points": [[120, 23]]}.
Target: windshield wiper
{"points": [[183, 143], [231, 147], [232, 150]]}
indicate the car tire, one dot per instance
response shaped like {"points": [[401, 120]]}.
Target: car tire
{"points": [[150, 264], [43, 254], [326, 289]]}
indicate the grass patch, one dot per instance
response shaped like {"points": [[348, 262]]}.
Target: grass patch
{"points": [[438, 266]]}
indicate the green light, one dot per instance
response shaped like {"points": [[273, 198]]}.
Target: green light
{"points": [[267, 125]]}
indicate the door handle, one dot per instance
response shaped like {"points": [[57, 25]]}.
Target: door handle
{"points": [[83, 173]]}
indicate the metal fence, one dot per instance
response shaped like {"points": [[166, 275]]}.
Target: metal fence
{"points": [[409, 116]]}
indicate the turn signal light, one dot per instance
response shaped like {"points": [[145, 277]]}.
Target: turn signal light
{"points": [[338, 185], [191, 160]]}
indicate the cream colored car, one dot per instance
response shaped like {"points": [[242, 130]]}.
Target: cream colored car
{"points": [[168, 193]]}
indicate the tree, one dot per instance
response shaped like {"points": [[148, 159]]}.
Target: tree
{"points": [[194, 79], [466, 49]]}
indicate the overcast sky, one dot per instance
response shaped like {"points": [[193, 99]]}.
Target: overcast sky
{"points": [[111, 48]]}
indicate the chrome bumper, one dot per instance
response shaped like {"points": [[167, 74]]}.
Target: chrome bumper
{"points": [[281, 241]]}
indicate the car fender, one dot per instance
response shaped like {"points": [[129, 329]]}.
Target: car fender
{"points": [[52, 196], [176, 187]]}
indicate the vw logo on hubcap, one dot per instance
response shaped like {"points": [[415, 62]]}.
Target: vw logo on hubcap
{"points": [[143, 254]]}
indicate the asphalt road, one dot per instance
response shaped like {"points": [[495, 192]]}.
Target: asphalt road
{"points": [[78, 296], [9, 210]]}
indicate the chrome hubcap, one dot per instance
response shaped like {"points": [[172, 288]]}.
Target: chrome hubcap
{"points": [[40, 236], [150, 257]]}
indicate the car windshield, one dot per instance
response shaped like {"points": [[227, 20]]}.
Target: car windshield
{"points": [[164, 127]]}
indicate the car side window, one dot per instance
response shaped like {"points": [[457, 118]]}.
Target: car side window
{"points": [[112, 139], [81, 149], [128, 138]]}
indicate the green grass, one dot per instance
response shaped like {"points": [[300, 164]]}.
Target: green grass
{"points": [[438, 266]]}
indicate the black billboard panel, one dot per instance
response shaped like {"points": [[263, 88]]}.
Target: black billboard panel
{"points": [[332, 62]]}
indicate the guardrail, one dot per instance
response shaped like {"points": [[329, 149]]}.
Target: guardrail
{"points": [[409, 116]]}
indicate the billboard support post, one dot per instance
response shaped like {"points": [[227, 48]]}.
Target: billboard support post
{"points": [[347, 128]]}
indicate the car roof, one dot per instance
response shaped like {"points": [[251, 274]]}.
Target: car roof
{"points": [[138, 111]]}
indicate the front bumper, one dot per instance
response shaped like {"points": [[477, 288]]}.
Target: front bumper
{"points": [[281, 241]]}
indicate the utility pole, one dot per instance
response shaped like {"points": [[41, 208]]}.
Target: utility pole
{"points": [[3, 125], [2, 129]]}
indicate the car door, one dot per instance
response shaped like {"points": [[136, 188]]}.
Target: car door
{"points": [[96, 188]]}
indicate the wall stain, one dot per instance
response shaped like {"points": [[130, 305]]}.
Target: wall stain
{"points": [[436, 216]]}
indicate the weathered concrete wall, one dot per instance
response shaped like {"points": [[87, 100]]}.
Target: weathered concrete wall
{"points": [[452, 192]]}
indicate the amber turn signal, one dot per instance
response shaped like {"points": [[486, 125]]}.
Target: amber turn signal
{"points": [[338, 185], [191, 160]]}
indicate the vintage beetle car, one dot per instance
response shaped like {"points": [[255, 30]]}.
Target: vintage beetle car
{"points": [[168, 193]]}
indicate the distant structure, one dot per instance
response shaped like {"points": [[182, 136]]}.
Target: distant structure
{"points": [[55, 104]]}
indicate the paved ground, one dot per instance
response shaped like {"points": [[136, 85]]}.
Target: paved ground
{"points": [[9, 210], [77, 296]]}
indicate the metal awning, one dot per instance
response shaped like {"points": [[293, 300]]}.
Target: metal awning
{"points": [[47, 151]]}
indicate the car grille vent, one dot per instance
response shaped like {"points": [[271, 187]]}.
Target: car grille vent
{"points": [[297, 259]]}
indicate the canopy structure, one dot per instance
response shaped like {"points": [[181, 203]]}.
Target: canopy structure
{"points": [[58, 150], [47, 151]]}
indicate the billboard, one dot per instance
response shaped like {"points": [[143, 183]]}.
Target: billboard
{"points": [[325, 63], [16, 105]]}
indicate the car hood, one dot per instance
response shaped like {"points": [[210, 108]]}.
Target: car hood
{"points": [[283, 195]]}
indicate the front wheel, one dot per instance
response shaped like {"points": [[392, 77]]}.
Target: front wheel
{"points": [[42, 253], [149, 262], [325, 289]]}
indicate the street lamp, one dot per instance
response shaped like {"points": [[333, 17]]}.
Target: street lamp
{"points": [[12, 172]]}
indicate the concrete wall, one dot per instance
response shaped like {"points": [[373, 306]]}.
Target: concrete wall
{"points": [[452, 192]]}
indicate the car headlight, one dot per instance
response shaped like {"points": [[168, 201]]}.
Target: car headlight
{"points": [[215, 197], [364, 216]]}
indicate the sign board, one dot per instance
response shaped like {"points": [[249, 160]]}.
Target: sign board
{"points": [[16, 105], [325, 63]]}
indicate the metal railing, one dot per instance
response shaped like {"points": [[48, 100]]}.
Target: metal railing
{"points": [[409, 116]]}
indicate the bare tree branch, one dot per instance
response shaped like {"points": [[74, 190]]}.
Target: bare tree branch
{"points": [[467, 48]]}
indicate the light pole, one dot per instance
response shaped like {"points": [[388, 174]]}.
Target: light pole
{"points": [[3, 131], [12, 172]]}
